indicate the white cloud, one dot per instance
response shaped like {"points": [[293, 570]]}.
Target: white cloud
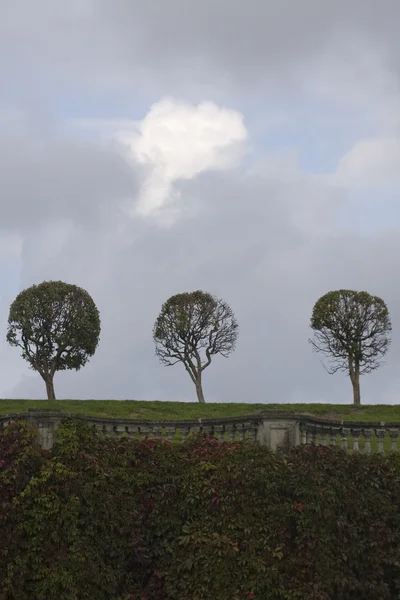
{"points": [[178, 140]]}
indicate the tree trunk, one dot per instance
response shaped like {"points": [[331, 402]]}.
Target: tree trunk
{"points": [[356, 391], [354, 372], [50, 388], [199, 390]]}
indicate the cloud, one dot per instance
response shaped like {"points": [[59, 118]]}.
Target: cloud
{"points": [[177, 140], [268, 241], [255, 132], [59, 178], [159, 48], [373, 162]]}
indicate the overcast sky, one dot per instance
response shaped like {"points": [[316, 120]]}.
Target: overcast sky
{"points": [[248, 149]]}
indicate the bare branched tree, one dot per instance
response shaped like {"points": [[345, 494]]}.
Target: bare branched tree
{"points": [[191, 329], [351, 328]]}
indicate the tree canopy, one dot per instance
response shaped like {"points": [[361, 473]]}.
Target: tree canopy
{"points": [[57, 326], [352, 329], [192, 328]]}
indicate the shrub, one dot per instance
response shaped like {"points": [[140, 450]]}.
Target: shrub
{"points": [[109, 518], [21, 459]]}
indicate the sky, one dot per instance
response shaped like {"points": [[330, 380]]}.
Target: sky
{"points": [[250, 150]]}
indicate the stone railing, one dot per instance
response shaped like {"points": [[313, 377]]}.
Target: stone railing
{"points": [[352, 436], [279, 430], [236, 428]]}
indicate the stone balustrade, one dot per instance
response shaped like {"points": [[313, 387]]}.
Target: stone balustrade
{"points": [[351, 436], [231, 429], [279, 430]]}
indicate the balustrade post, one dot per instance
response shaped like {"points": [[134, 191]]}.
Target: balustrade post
{"points": [[315, 436], [367, 435], [170, 432], [333, 437], [356, 434], [323, 437], [303, 436], [157, 431], [345, 434], [219, 432], [393, 439], [380, 434]]}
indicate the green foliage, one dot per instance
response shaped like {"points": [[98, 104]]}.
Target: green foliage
{"points": [[21, 460], [113, 519], [353, 326], [57, 326], [192, 328]]}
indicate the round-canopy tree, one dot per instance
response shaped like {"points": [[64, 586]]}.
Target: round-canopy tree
{"points": [[57, 325], [191, 328], [351, 328]]}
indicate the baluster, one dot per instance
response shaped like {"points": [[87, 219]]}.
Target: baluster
{"points": [[303, 436], [252, 431], [195, 430], [315, 436], [170, 432], [309, 437], [183, 432], [367, 435], [219, 432], [242, 432], [323, 437], [119, 430], [108, 430], [157, 432], [356, 434], [128, 430], [380, 434], [145, 430], [393, 439], [205, 430], [333, 437], [345, 433]]}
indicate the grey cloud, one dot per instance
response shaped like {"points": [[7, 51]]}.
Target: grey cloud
{"points": [[240, 239], [270, 246], [59, 178], [256, 42]]}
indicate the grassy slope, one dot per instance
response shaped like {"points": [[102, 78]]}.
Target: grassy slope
{"points": [[184, 410]]}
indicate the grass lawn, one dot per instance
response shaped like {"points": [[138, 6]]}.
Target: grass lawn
{"points": [[146, 409]]}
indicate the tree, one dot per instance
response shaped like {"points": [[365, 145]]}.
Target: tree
{"points": [[191, 328], [352, 329], [57, 325]]}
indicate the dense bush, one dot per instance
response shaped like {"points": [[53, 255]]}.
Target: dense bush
{"points": [[115, 519], [21, 459]]}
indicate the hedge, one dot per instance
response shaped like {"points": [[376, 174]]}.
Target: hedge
{"points": [[114, 519]]}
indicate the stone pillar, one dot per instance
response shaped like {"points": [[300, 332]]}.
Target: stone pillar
{"points": [[45, 421], [280, 435]]}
